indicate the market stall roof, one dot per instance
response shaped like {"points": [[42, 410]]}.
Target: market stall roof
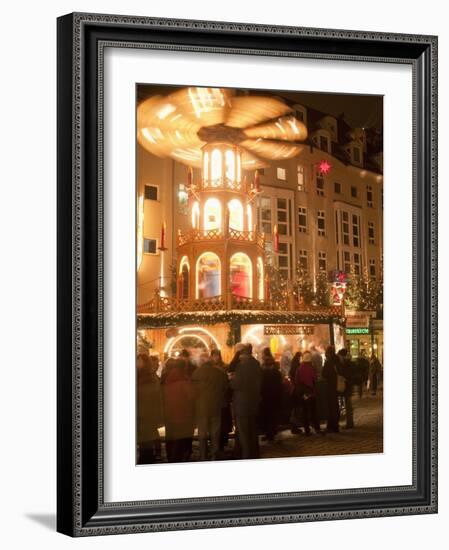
{"points": [[165, 320]]}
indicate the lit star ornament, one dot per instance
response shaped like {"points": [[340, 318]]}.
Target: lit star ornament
{"points": [[324, 167]]}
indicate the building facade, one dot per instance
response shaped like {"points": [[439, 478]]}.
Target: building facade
{"points": [[207, 235]]}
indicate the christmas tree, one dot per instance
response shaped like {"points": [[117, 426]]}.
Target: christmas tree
{"points": [[322, 294], [303, 286]]}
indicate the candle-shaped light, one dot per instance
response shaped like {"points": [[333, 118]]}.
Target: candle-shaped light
{"points": [[257, 182], [163, 229], [276, 238], [267, 288]]}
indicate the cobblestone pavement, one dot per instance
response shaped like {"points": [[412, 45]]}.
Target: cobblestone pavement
{"points": [[365, 437]]}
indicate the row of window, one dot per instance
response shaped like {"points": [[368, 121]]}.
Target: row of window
{"points": [[349, 227], [281, 174]]}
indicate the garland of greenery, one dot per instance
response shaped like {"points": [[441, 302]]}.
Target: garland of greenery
{"points": [[236, 318]]}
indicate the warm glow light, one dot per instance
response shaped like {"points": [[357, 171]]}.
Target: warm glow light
{"points": [[230, 165], [249, 215], [241, 275], [195, 215], [235, 214], [208, 276], [184, 261], [260, 279], [215, 173], [140, 231], [166, 110], [212, 214], [206, 166]]}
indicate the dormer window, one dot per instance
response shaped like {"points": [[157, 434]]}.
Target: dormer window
{"points": [[356, 154]]}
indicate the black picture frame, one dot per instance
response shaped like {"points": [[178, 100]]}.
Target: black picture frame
{"points": [[81, 510]]}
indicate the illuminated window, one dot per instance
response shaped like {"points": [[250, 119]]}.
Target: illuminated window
{"points": [[355, 230], [208, 276], [235, 215], [230, 165], [260, 279], [302, 219], [300, 175], [249, 215], [303, 261], [265, 215], [371, 238], [241, 275], [345, 227], [283, 218], [184, 278], [212, 214], [281, 173], [322, 261], [195, 215], [284, 260], [206, 167], [357, 263], [346, 261], [215, 173], [321, 219]]}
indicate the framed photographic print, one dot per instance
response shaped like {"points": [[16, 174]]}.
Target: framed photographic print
{"points": [[247, 282]]}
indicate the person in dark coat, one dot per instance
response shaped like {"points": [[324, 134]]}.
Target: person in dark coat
{"points": [[226, 413], [295, 413], [361, 373], [305, 381], [346, 369], [149, 409], [179, 408], [210, 384], [246, 385], [330, 374], [271, 394], [375, 371]]}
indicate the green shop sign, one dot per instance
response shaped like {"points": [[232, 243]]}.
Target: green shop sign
{"points": [[360, 330]]}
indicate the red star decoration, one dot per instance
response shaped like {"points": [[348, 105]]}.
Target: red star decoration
{"points": [[324, 167]]}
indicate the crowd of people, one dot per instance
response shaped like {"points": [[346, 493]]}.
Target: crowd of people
{"points": [[248, 397]]}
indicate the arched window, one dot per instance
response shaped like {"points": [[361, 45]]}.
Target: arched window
{"points": [[235, 215], [208, 276], [212, 214], [184, 271], [249, 215], [206, 167], [195, 215], [215, 172], [241, 271], [260, 279], [230, 165]]}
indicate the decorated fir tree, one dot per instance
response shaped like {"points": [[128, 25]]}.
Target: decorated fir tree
{"points": [[322, 293], [303, 286]]}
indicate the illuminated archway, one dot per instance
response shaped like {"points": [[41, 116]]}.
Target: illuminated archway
{"points": [[241, 272], [235, 215], [184, 276], [215, 169], [208, 276], [212, 214]]}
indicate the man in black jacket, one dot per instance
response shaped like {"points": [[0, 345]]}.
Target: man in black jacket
{"points": [[345, 369], [246, 385], [330, 373]]}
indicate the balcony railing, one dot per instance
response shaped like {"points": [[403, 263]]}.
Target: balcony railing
{"points": [[172, 304], [195, 235]]}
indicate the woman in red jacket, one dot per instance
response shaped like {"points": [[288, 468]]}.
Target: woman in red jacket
{"points": [[305, 381]]}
